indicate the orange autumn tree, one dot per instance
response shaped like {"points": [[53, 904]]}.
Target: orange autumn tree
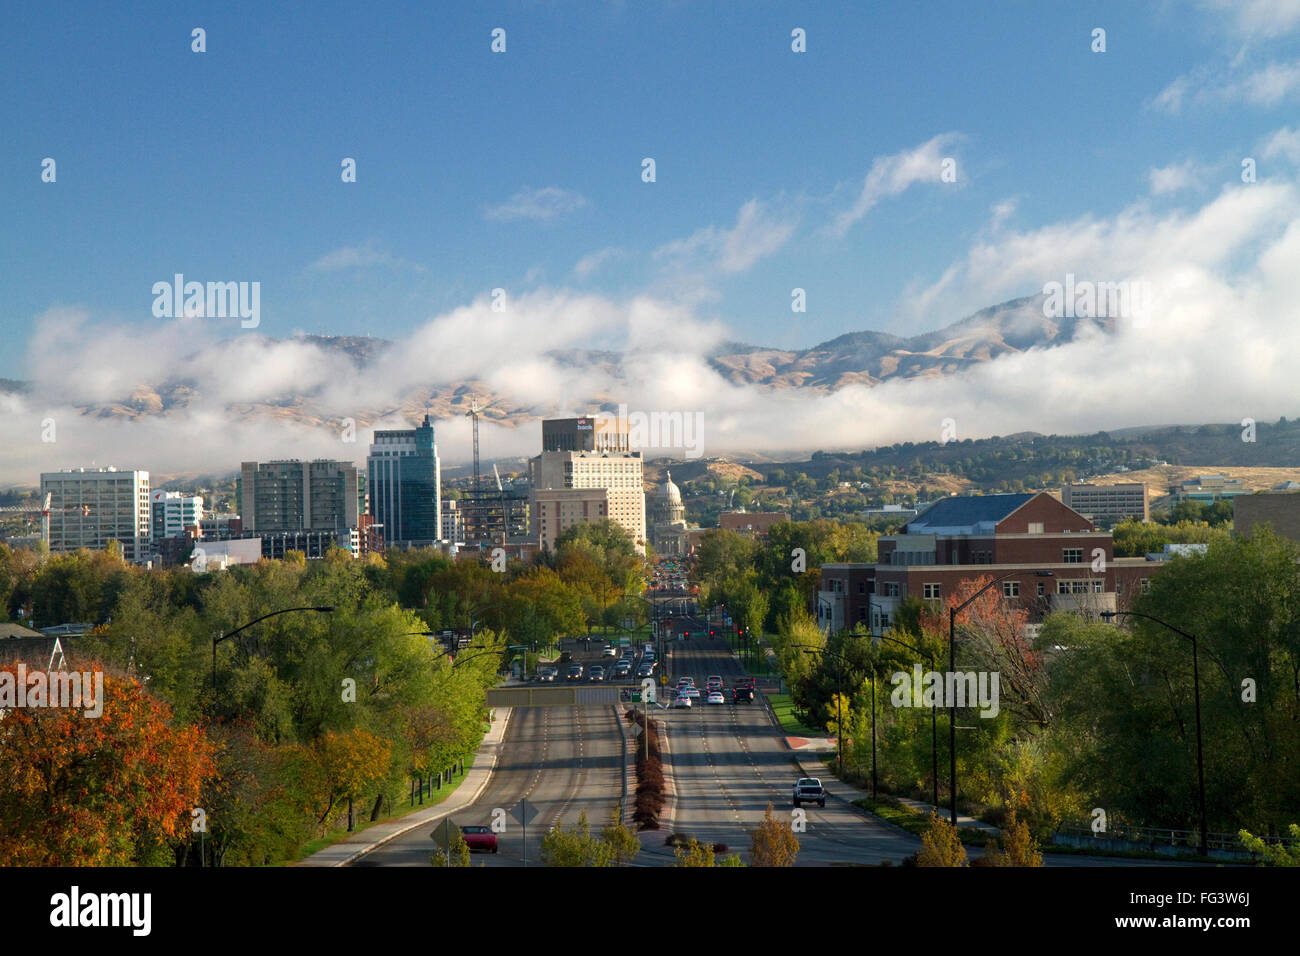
{"points": [[112, 790], [353, 763], [991, 636]]}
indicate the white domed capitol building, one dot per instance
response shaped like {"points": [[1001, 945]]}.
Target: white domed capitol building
{"points": [[667, 519]]}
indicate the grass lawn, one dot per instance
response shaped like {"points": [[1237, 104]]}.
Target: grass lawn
{"points": [[789, 719], [403, 809]]}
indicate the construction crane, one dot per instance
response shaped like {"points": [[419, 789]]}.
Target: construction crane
{"points": [[474, 526], [31, 507]]}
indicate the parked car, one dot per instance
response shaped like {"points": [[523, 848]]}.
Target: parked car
{"points": [[809, 790], [479, 839]]}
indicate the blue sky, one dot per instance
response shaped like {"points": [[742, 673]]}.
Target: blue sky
{"points": [[522, 171], [225, 165]]}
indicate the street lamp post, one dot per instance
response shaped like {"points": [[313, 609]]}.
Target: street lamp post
{"points": [[952, 672], [1203, 849]]}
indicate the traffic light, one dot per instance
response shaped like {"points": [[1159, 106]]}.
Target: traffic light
{"points": [[711, 633], [686, 634]]}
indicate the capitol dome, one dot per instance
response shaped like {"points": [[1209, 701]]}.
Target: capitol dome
{"points": [[670, 491]]}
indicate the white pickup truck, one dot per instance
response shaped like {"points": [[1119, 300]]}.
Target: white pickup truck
{"points": [[809, 790]]}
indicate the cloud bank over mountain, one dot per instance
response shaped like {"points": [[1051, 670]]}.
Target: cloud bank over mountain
{"points": [[195, 395]]}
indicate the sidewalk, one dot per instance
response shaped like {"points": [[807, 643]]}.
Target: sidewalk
{"points": [[476, 779]]}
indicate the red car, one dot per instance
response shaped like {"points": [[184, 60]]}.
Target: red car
{"points": [[479, 838]]}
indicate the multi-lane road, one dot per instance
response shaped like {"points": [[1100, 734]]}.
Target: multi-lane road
{"points": [[726, 764]]}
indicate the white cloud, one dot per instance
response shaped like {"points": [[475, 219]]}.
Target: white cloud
{"points": [[1284, 143], [590, 263], [540, 204], [759, 231], [1176, 177], [1258, 18], [357, 257], [1219, 346], [1262, 87], [891, 175]]}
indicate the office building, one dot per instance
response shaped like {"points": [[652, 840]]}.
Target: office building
{"points": [[587, 472], [172, 512], [90, 507], [405, 486], [321, 495]]}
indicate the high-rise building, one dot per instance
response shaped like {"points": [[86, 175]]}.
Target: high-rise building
{"points": [[405, 485], [172, 512], [319, 495], [90, 507], [587, 472]]}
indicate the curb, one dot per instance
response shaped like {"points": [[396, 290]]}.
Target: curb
{"points": [[487, 777]]}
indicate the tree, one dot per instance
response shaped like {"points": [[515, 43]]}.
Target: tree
{"points": [[457, 854], [623, 844], [1273, 854], [576, 847], [940, 845], [773, 842], [112, 790], [353, 763], [694, 853], [1019, 848]]}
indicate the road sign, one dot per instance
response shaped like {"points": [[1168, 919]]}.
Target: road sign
{"points": [[445, 833], [627, 623], [524, 812]]}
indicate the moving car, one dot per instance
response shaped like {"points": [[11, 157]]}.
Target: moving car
{"points": [[809, 790], [547, 674], [596, 673], [681, 700], [715, 697], [575, 672], [742, 695], [690, 692], [479, 838], [622, 669], [610, 651]]}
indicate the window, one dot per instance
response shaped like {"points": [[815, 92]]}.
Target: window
{"points": [[1035, 527], [1096, 586], [930, 591], [1146, 584], [862, 613], [1041, 589], [862, 587], [1072, 555], [1011, 589], [891, 589]]}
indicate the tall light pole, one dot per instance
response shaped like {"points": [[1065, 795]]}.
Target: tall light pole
{"points": [[1204, 848], [952, 671]]}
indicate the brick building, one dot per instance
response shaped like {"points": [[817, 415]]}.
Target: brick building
{"points": [[1055, 559]]}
